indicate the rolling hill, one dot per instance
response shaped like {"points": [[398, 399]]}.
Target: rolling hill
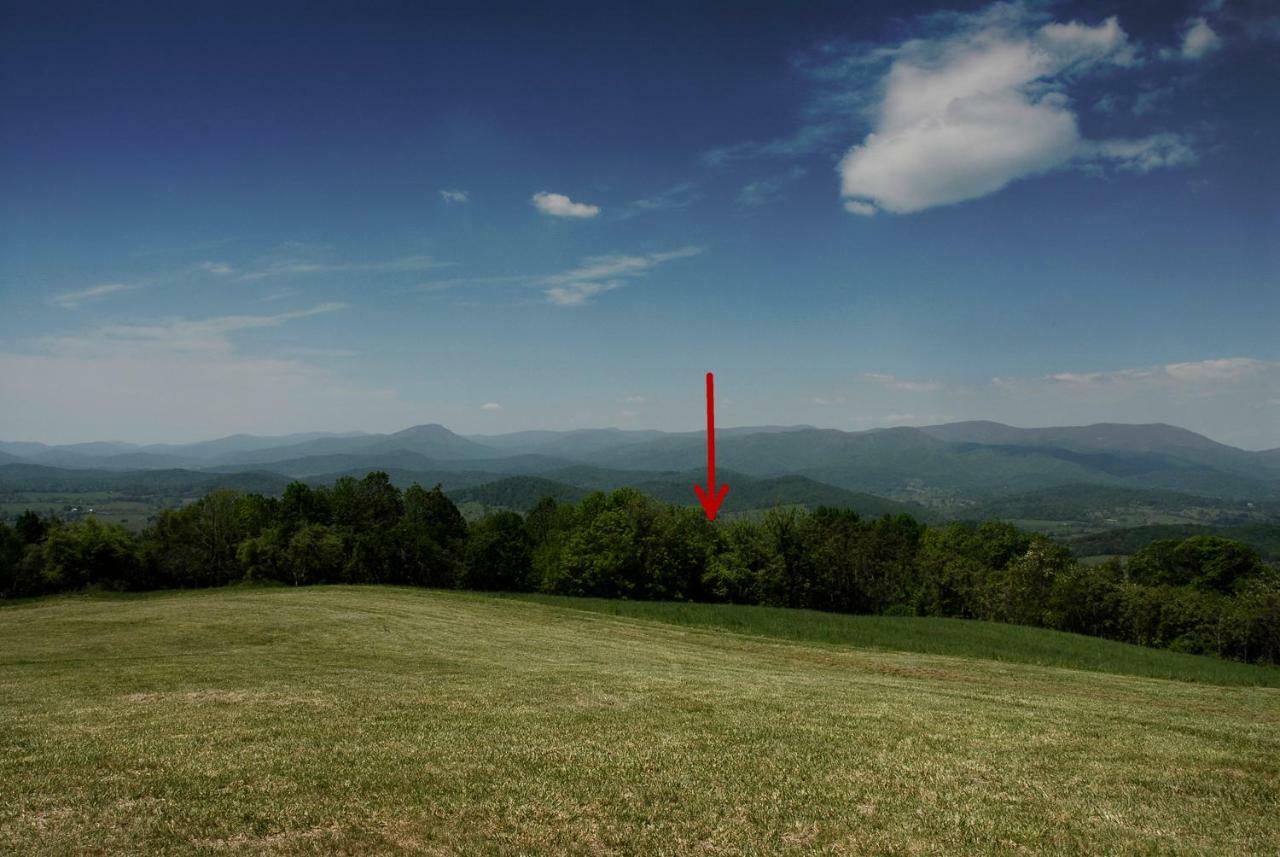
{"points": [[363, 720]]}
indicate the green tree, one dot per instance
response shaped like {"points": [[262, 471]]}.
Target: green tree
{"points": [[11, 547], [315, 554], [198, 544], [31, 528], [265, 556], [499, 554], [88, 553]]}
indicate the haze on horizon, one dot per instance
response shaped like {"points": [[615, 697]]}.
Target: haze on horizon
{"points": [[251, 220]]}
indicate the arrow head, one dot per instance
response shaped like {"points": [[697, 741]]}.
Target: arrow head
{"points": [[711, 502]]}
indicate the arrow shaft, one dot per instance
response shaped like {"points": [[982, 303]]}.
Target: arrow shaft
{"points": [[711, 433]]}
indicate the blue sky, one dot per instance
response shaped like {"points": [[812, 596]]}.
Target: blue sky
{"points": [[274, 218]]}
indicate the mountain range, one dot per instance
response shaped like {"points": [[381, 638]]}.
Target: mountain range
{"points": [[942, 467]]}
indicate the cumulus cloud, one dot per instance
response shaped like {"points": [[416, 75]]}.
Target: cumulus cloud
{"points": [[1198, 40], [982, 103], [559, 205], [455, 196], [72, 300]]}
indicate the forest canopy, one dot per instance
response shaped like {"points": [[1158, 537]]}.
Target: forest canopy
{"points": [[1200, 594]]}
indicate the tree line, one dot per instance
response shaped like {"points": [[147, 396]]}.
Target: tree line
{"points": [[1202, 594]]}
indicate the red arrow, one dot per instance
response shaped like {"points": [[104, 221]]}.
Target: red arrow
{"points": [[711, 498]]}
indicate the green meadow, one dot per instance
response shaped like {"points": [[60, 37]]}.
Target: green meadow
{"points": [[386, 720]]}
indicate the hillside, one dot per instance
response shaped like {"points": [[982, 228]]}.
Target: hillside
{"points": [[39, 478], [520, 493], [1102, 505], [1264, 538], [395, 721]]}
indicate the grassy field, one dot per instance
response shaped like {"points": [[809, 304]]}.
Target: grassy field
{"points": [[377, 720], [934, 636]]}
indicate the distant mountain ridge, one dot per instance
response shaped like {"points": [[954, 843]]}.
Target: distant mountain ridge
{"points": [[978, 460]]}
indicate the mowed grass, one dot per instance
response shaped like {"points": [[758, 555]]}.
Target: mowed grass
{"points": [[382, 720], [934, 635]]}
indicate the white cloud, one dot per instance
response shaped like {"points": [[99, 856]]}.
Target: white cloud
{"points": [[964, 113], [455, 196], [1227, 369], [216, 268], [168, 337], [491, 406], [576, 294], [856, 206], [1223, 370], [1144, 154], [72, 300], [1198, 40], [598, 274], [294, 267], [592, 276], [559, 205], [894, 383]]}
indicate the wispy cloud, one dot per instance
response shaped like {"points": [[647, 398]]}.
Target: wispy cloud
{"points": [[491, 406], [673, 198], [178, 335], [807, 140], [294, 267], [559, 205], [72, 300], [598, 274], [455, 196], [1222, 370], [575, 286], [893, 382], [770, 189]]}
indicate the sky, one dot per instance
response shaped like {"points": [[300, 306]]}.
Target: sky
{"points": [[269, 218]]}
